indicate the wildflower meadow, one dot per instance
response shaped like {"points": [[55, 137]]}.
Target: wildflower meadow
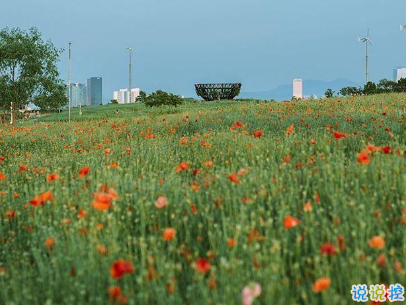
{"points": [[238, 202]]}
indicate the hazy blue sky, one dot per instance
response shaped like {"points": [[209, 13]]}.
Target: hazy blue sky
{"points": [[262, 43]]}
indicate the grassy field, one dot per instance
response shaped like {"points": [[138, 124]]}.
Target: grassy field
{"points": [[189, 205]]}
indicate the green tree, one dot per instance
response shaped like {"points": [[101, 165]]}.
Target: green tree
{"points": [[329, 93], [160, 98], [386, 86], [401, 85], [351, 91], [370, 88], [28, 71], [142, 97]]}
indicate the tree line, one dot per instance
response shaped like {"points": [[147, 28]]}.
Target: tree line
{"points": [[383, 86], [29, 72]]}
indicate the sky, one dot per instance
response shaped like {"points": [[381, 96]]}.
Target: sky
{"points": [[260, 43]]}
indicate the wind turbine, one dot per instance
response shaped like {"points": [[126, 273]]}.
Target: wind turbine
{"points": [[367, 41]]}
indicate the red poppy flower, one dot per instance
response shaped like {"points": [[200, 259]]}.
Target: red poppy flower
{"points": [[258, 134], [341, 242], [328, 249], [202, 265], [22, 168], [121, 267], [116, 294], [234, 178], [84, 171], [238, 125], [338, 135], [386, 150], [41, 199]]}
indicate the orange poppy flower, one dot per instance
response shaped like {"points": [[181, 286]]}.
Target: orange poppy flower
{"points": [[84, 171], [183, 166], [377, 242], [49, 242], [116, 294], [234, 178], [398, 267], [2, 177], [169, 234], [308, 207], [321, 284], [52, 177], [290, 222], [208, 163], [41, 199], [363, 158], [103, 201], [231, 242], [290, 129], [161, 202]]}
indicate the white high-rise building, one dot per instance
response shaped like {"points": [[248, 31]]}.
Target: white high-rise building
{"points": [[78, 94], [399, 73], [123, 96], [298, 88]]}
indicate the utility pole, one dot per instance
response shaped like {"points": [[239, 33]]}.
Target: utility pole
{"points": [[69, 81], [130, 49], [403, 27], [12, 114]]}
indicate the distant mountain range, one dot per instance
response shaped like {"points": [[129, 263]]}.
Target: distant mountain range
{"points": [[310, 87]]}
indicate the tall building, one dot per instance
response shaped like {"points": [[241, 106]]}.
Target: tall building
{"points": [[123, 96], [94, 91], [399, 73], [298, 88], [78, 94]]}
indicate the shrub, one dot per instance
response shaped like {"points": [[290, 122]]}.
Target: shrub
{"points": [[160, 98]]}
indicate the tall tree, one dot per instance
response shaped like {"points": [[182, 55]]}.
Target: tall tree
{"points": [[28, 71], [329, 93]]}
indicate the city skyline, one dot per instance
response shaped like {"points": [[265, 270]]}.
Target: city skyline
{"points": [[175, 46]]}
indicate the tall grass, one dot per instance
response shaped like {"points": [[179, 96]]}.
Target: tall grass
{"points": [[137, 153]]}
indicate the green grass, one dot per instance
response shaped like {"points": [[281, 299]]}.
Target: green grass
{"points": [[356, 202]]}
